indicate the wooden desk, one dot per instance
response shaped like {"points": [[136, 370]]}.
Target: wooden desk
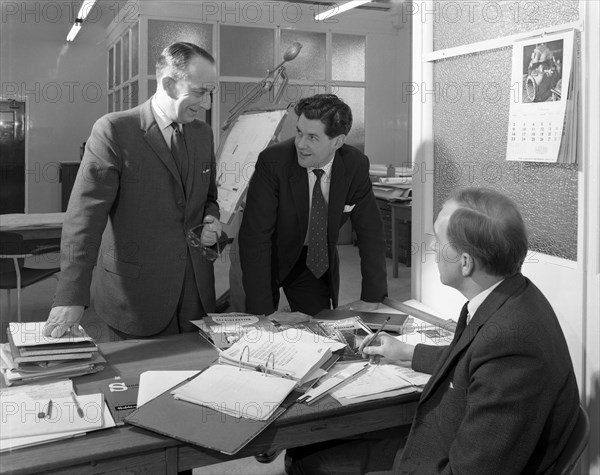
{"points": [[33, 225], [401, 232], [135, 450]]}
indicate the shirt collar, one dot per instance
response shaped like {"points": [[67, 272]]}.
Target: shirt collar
{"points": [[161, 118], [476, 301], [326, 168]]}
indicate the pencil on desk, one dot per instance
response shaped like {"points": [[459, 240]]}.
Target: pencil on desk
{"points": [[77, 405]]}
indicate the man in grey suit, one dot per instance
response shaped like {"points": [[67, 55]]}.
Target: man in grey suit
{"points": [[502, 397], [145, 189]]}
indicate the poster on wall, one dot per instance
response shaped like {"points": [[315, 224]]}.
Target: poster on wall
{"points": [[542, 123]]}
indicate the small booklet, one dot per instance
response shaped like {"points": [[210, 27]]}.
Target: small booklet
{"points": [[29, 345], [37, 371], [223, 329]]}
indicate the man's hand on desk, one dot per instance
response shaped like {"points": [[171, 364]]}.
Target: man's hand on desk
{"points": [[387, 346], [63, 319]]}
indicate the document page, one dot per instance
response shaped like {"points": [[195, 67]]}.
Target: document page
{"points": [[288, 354], [237, 392]]}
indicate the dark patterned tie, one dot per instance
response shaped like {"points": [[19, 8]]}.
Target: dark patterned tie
{"points": [[317, 257], [179, 151], [462, 323]]}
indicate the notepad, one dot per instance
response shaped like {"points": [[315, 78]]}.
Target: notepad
{"points": [[25, 414], [238, 392]]}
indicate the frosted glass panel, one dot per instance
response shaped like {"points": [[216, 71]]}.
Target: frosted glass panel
{"points": [[118, 63], [471, 100], [246, 51], [162, 33], [232, 92], [117, 100], [126, 56], [355, 98], [135, 43], [310, 63], [460, 23], [348, 57], [111, 67], [292, 94]]}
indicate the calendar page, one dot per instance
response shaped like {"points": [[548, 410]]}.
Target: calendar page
{"points": [[541, 75]]}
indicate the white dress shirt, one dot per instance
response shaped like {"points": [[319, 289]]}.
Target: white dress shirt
{"points": [[476, 301]]}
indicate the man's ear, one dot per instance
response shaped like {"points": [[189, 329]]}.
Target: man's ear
{"points": [[339, 141], [467, 264], [168, 85]]}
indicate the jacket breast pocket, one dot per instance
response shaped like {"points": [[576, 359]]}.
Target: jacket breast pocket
{"points": [[124, 269]]}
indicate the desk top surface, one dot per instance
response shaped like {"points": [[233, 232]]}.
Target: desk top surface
{"points": [[188, 351], [20, 221]]}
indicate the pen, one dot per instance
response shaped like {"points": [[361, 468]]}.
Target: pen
{"points": [[373, 358], [77, 405]]}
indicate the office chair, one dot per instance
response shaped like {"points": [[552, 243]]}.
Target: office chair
{"points": [[577, 443], [13, 273]]}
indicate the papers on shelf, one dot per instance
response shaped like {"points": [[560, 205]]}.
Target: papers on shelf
{"points": [[237, 392]]}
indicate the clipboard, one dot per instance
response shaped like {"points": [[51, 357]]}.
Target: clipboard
{"points": [[250, 134]]}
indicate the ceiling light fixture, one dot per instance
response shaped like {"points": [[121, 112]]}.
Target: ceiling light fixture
{"points": [[84, 10], [340, 9]]}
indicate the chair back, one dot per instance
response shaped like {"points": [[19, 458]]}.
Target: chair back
{"points": [[575, 446]]}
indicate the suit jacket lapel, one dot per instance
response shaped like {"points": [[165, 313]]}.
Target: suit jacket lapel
{"points": [[192, 151], [155, 139], [337, 193], [299, 186], [488, 308]]}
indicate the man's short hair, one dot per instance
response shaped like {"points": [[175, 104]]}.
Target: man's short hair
{"points": [[335, 114], [488, 226], [175, 58]]}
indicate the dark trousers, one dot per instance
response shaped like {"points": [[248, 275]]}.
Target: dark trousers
{"points": [[358, 455], [188, 308], [304, 292]]}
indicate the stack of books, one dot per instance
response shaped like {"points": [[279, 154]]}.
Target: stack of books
{"points": [[31, 356]]}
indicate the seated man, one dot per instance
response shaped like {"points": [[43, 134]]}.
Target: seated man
{"points": [[502, 397]]}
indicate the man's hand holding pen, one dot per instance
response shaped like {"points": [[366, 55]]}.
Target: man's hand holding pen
{"points": [[384, 345]]}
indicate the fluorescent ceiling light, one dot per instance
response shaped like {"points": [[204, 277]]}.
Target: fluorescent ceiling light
{"points": [[84, 10], [74, 30], [339, 9]]}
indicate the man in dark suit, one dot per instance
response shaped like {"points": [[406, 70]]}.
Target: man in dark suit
{"points": [[503, 397], [146, 182], [291, 225]]}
